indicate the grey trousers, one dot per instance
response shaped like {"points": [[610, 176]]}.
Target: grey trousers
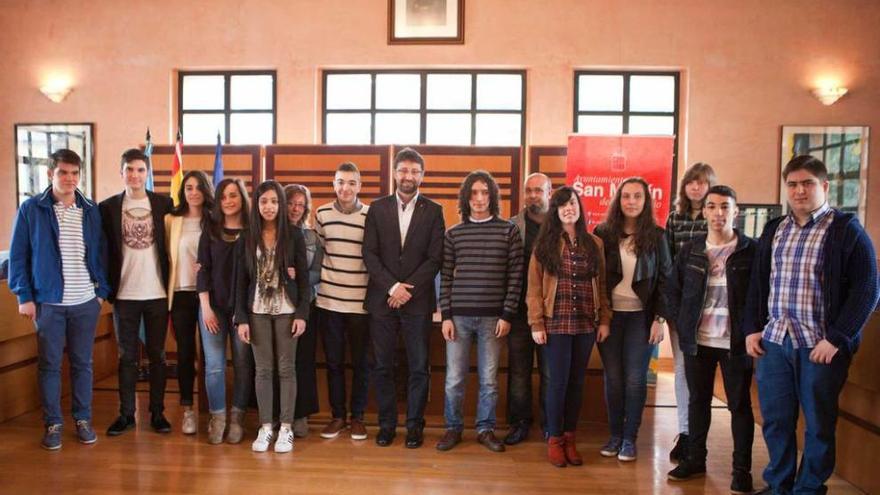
{"points": [[274, 348]]}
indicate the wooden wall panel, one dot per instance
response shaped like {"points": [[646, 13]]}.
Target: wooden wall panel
{"points": [[447, 166], [238, 161], [549, 160], [315, 165]]}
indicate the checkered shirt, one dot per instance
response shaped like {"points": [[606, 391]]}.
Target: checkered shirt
{"points": [[574, 310], [796, 304]]}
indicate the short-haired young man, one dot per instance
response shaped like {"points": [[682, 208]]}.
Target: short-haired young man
{"points": [[341, 295], [813, 287], [134, 225], [403, 250], [56, 269], [480, 284], [706, 297]]}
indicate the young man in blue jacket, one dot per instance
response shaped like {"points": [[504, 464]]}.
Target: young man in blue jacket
{"points": [[706, 295], [813, 287], [56, 270]]}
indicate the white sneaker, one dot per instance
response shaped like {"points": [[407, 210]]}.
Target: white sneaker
{"points": [[264, 438], [285, 440]]}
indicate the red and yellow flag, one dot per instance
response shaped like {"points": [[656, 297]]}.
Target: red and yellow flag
{"points": [[177, 169]]}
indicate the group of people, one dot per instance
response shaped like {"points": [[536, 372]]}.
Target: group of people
{"points": [[256, 272]]}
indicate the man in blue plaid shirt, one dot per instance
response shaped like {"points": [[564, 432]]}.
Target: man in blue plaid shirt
{"points": [[813, 287]]}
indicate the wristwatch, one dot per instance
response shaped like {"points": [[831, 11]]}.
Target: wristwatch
{"points": [[660, 319]]}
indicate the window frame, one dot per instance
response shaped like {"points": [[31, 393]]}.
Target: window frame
{"points": [[422, 111], [227, 111], [625, 113]]}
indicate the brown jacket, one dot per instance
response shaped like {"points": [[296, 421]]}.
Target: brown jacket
{"points": [[542, 289]]}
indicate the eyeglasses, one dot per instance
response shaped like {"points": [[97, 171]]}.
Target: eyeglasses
{"points": [[406, 171]]}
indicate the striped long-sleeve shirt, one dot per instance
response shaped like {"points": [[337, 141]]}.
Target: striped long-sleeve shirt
{"points": [[344, 277], [482, 270]]}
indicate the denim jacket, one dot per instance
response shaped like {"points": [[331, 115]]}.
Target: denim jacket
{"points": [[686, 291], [35, 256]]}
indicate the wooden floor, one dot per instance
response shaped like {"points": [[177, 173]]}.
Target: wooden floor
{"points": [[145, 462]]}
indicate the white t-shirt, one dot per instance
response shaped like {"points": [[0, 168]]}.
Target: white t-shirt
{"points": [[714, 329], [187, 253], [141, 279]]}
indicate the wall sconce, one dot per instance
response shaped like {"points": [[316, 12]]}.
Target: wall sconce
{"points": [[829, 95], [56, 91]]}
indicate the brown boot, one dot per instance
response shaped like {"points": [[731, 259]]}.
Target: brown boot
{"points": [[556, 451], [216, 427], [571, 453], [236, 428]]}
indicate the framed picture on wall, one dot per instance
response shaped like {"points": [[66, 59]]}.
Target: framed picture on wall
{"points": [[34, 143], [844, 150], [425, 22]]}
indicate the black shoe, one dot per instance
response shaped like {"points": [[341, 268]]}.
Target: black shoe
{"points": [[120, 426], [517, 434], [741, 482], [679, 452], [414, 438], [160, 424], [687, 470], [385, 437]]}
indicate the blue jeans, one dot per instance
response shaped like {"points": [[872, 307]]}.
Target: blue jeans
{"points": [[468, 329], [787, 378], [75, 327], [626, 354], [214, 345], [566, 357]]}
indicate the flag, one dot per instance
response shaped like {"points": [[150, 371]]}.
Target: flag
{"points": [[177, 169], [218, 162], [148, 150]]}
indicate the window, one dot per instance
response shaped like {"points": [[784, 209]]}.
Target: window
{"points": [[240, 105], [424, 107], [626, 102]]}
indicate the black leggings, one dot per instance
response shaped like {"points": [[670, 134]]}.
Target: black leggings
{"points": [[184, 320]]}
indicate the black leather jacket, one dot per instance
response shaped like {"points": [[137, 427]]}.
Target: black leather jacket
{"points": [[686, 291], [651, 272]]}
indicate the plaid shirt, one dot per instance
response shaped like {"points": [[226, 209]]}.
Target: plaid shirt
{"points": [[796, 305], [574, 311], [681, 228]]}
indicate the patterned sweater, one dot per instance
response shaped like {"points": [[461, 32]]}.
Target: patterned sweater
{"points": [[482, 270]]}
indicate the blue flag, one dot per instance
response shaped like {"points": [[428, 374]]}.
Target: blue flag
{"points": [[218, 162], [148, 150]]}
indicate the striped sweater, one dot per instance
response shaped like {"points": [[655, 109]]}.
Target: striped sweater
{"points": [[482, 270], [344, 276]]}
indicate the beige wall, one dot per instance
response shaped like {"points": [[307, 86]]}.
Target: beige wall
{"points": [[747, 66]]}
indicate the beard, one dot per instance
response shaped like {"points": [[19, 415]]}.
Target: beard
{"points": [[407, 187], [537, 209]]}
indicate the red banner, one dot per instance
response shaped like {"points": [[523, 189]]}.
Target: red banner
{"points": [[596, 165]]}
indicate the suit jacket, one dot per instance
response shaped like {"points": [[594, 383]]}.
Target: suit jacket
{"points": [[417, 263], [111, 216]]}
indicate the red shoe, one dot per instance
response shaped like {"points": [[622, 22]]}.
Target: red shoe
{"points": [[570, 449], [556, 451]]}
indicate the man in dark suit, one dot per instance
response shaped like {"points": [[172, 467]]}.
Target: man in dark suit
{"points": [[403, 250], [137, 266]]}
